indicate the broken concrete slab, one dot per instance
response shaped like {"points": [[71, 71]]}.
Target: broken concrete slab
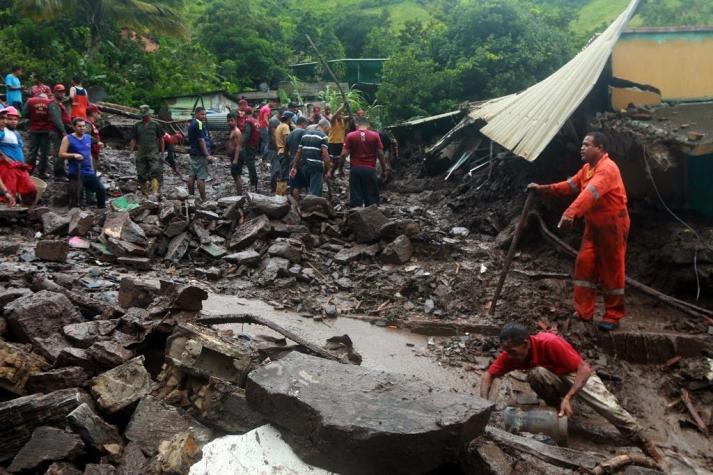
{"points": [[188, 297], [366, 223], [75, 357], [121, 386], [226, 407], [133, 460], [62, 468], [177, 454], [397, 252], [484, 456], [54, 250], [17, 364], [136, 293], [21, 416], [52, 223], [349, 254], [9, 295], [9, 248], [177, 248], [139, 263], [39, 318], [97, 433], [275, 267], [203, 352], [109, 353], [154, 421], [412, 427], [80, 222], [99, 469], [47, 444], [248, 258], [84, 334], [289, 249], [274, 207], [315, 207], [259, 451], [60, 378], [175, 227], [119, 226], [249, 232]]}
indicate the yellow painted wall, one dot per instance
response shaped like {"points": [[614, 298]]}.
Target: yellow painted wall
{"points": [[679, 64]]}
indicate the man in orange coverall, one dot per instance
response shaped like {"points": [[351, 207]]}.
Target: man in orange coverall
{"points": [[601, 201]]}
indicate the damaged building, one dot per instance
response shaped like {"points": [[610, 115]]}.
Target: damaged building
{"points": [[262, 334]]}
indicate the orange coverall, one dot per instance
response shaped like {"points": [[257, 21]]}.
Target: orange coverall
{"points": [[601, 201]]}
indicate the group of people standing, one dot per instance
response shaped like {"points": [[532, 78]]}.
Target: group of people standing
{"points": [[305, 152], [70, 135]]}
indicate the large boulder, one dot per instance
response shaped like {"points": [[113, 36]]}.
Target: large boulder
{"points": [[384, 423], [249, 232], [39, 318], [366, 223], [274, 207]]}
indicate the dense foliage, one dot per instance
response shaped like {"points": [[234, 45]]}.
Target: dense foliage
{"points": [[442, 52]]}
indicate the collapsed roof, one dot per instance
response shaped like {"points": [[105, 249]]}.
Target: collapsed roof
{"points": [[526, 122]]}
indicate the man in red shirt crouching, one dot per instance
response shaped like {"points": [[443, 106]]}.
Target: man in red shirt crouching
{"points": [[557, 373], [364, 147]]}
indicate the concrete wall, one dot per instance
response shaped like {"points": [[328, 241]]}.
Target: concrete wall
{"points": [[678, 62]]}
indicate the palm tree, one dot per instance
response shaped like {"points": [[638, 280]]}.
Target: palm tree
{"points": [[106, 16]]}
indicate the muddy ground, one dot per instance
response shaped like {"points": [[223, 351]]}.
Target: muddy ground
{"points": [[429, 315]]}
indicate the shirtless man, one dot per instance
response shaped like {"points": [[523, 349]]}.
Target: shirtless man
{"points": [[236, 139]]}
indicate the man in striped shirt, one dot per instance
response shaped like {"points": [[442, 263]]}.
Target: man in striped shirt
{"points": [[313, 150]]}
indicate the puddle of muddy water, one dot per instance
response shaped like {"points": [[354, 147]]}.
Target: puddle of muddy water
{"points": [[384, 349]]}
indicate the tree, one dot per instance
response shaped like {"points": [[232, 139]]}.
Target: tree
{"points": [[105, 17], [249, 43]]}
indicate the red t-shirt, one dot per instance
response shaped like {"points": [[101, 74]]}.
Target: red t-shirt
{"points": [[39, 109], [263, 118], [363, 146], [547, 350]]}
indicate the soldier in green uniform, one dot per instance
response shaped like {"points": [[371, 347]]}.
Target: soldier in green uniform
{"points": [[146, 142]]}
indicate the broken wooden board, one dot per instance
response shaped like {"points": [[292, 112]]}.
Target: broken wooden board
{"points": [[560, 456]]}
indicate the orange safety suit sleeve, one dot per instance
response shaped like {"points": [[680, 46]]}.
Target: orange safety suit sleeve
{"points": [[600, 184], [568, 187]]}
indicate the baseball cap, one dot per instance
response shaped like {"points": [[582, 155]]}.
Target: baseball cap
{"points": [[11, 111], [58, 88], [93, 108], [145, 110], [287, 115]]}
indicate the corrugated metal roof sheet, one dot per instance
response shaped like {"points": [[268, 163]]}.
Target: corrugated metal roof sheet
{"points": [[527, 121]]}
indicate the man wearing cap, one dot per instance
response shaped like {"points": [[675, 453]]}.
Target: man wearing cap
{"points": [[61, 122], [14, 172], [146, 141], [199, 153], [36, 109]]}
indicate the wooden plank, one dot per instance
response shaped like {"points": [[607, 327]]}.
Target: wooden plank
{"points": [[560, 456], [247, 318]]}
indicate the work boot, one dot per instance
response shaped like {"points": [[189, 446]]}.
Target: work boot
{"points": [[155, 186]]}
